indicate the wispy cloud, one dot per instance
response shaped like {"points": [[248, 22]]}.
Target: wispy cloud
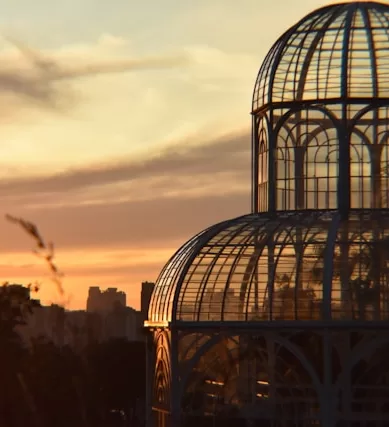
{"points": [[227, 154], [187, 187], [136, 224], [39, 78]]}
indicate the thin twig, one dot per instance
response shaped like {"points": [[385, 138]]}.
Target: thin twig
{"points": [[42, 250]]}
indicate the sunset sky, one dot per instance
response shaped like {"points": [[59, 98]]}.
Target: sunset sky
{"points": [[125, 129]]}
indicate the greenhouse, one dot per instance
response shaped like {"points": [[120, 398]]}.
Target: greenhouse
{"points": [[279, 317]]}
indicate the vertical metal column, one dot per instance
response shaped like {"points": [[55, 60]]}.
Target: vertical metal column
{"points": [[272, 168], [254, 167], [175, 397], [327, 398], [149, 379]]}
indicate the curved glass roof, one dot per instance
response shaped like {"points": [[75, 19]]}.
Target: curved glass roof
{"points": [[320, 155], [297, 266], [338, 51]]}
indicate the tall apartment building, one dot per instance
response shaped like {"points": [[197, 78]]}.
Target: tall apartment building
{"points": [[104, 301], [145, 296], [106, 317]]}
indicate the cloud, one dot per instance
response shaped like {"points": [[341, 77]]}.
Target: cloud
{"points": [[150, 223], [228, 154], [119, 113], [141, 226], [148, 202], [36, 78], [158, 201]]}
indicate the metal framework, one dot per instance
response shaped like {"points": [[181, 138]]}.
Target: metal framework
{"points": [[279, 317], [321, 101]]}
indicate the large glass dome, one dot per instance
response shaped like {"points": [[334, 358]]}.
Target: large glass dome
{"points": [[315, 245], [279, 317], [296, 266]]}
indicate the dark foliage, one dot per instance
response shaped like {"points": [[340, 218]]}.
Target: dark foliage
{"points": [[45, 385]]}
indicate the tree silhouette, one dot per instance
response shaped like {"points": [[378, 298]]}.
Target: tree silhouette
{"points": [[360, 267], [15, 307], [95, 384], [117, 369]]}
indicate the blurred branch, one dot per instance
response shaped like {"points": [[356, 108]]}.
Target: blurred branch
{"points": [[43, 249]]}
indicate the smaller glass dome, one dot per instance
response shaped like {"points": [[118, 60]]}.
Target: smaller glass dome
{"points": [[336, 52], [307, 265], [321, 113]]}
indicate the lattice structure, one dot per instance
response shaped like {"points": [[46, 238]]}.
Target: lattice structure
{"points": [[279, 317], [260, 267], [321, 101]]}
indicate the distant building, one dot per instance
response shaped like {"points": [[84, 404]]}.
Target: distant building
{"points": [[80, 329], [122, 322], [45, 322], [105, 318], [147, 290], [103, 301]]}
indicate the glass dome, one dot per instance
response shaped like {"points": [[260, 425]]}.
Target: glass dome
{"points": [[296, 266], [336, 51], [314, 246], [279, 317], [321, 113]]}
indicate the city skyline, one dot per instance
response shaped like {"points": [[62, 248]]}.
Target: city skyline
{"points": [[120, 169]]}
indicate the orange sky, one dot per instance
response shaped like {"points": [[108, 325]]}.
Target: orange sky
{"points": [[125, 131]]}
